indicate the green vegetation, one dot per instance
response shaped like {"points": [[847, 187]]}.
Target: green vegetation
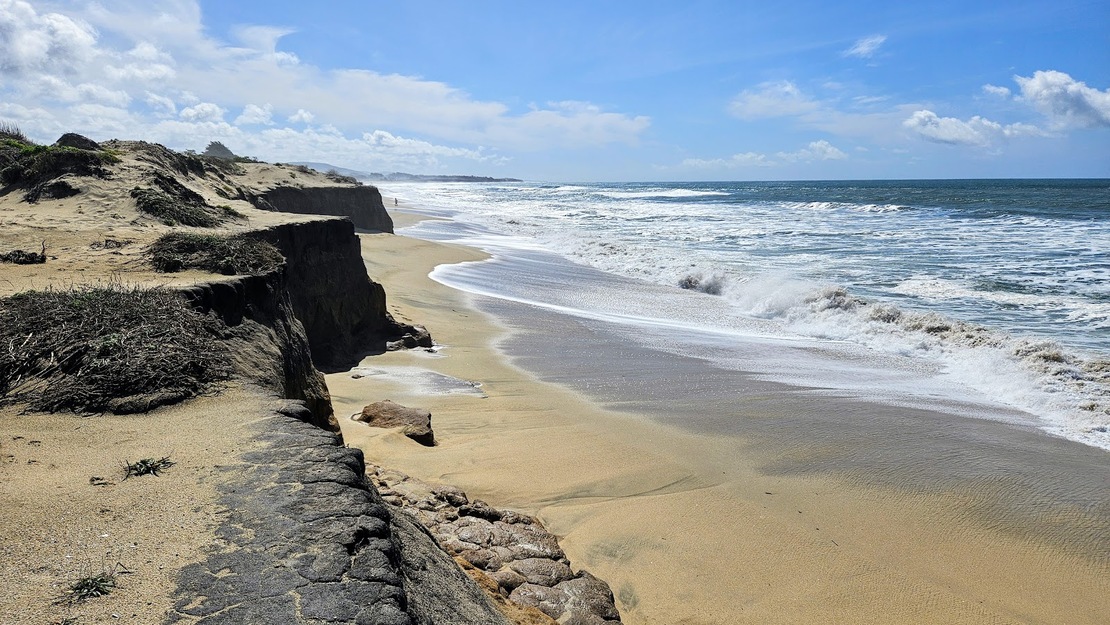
{"points": [[174, 203], [116, 348], [35, 167], [92, 586], [232, 255], [13, 133], [335, 176], [172, 211]]}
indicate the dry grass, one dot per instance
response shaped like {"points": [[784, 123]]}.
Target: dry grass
{"points": [[232, 255], [147, 466], [95, 349]]}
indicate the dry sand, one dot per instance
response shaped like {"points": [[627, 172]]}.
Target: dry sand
{"points": [[686, 528], [58, 526]]}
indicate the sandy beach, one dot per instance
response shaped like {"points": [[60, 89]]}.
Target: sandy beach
{"points": [[700, 527]]}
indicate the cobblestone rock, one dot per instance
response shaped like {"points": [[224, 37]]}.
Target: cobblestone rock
{"points": [[512, 550]]}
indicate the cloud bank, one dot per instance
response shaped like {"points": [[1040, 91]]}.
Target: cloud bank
{"points": [[149, 69]]}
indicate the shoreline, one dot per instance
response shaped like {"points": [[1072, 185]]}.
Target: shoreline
{"points": [[680, 524]]}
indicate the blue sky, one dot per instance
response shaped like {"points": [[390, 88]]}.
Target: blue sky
{"points": [[580, 91]]}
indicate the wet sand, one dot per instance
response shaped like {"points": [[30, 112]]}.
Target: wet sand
{"points": [[779, 506]]}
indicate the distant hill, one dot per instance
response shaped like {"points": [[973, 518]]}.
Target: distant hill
{"points": [[398, 176]]}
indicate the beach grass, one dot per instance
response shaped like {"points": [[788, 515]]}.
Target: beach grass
{"points": [[228, 255], [114, 348]]}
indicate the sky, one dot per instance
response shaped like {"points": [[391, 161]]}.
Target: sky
{"points": [[580, 91]]}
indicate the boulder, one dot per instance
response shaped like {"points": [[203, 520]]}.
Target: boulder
{"points": [[413, 337], [417, 423], [74, 140]]}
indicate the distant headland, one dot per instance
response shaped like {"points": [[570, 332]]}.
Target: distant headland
{"points": [[398, 176]]}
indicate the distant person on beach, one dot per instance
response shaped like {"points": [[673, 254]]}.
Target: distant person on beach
{"points": [[395, 201]]}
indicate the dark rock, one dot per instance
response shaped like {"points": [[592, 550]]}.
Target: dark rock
{"points": [[342, 311], [509, 550], [361, 204], [74, 140], [417, 423], [440, 593], [484, 559], [307, 540]]}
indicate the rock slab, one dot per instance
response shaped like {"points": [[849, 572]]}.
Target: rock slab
{"points": [[307, 540]]}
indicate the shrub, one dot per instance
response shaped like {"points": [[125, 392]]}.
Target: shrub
{"points": [[172, 211], [232, 255], [174, 203], [116, 348], [12, 132]]}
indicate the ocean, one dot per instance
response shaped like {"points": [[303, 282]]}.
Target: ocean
{"points": [[989, 299]]}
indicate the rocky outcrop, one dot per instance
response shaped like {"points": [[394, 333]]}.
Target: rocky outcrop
{"points": [[306, 540], [342, 310], [361, 204], [522, 559], [416, 423]]}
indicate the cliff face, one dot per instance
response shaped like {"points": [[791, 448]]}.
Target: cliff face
{"points": [[320, 311], [342, 310], [307, 538], [267, 342], [362, 204]]}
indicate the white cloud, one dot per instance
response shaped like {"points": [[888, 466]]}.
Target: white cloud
{"points": [[301, 117], [203, 112], [566, 124], [159, 54], [1067, 102], [254, 114], [415, 147], [30, 42], [139, 72], [772, 99], [866, 47], [816, 151], [1002, 92], [160, 104], [976, 131], [745, 159]]}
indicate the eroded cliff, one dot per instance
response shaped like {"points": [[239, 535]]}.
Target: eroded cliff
{"points": [[343, 311], [361, 204]]}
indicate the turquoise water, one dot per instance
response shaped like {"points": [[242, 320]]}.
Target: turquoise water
{"points": [[1000, 288]]}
